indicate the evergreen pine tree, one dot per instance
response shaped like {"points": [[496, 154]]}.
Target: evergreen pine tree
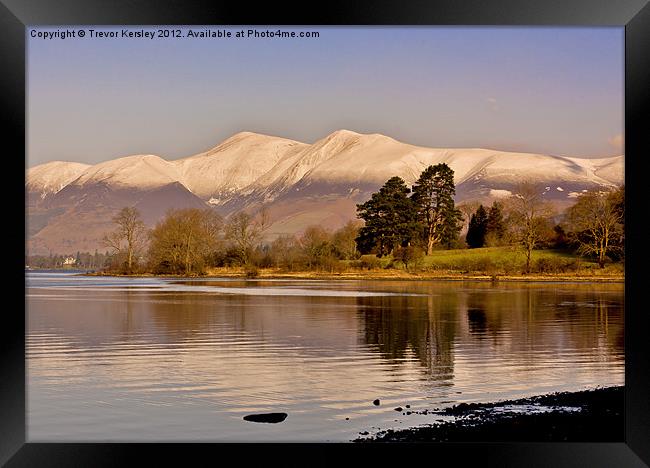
{"points": [[433, 197], [496, 226], [390, 219], [477, 228]]}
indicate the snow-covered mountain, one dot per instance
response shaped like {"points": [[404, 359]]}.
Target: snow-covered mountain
{"points": [[143, 171], [300, 184], [233, 165], [49, 178]]}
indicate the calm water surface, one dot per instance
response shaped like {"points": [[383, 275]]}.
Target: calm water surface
{"points": [[132, 359]]}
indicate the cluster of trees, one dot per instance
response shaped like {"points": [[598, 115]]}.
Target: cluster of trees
{"points": [[400, 217], [187, 241], [487, 227], [524, 218], [593, 226], [402, 221], [181, 243]]}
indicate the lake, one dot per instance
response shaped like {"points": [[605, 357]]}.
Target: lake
{"points": [[151, 359]]}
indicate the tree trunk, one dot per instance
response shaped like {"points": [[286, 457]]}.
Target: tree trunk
{"points": [[601, 254]]}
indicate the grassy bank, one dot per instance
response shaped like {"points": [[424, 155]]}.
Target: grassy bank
{"points": [[506, 261], [492, 263], [487, 264]]}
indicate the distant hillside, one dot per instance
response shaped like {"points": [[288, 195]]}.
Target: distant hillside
{"points": [[70, 205]]}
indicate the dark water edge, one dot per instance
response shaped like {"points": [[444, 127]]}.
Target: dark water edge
{"points": [[599, 419]]}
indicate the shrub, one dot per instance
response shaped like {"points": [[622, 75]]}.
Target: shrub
{"points": [[410, 256], [251, 271], [331, 264], [367, 262], [263, 260], [555, 265]]}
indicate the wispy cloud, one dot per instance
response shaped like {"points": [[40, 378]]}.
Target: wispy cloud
{"points": [[492, 102], [616, 141]]}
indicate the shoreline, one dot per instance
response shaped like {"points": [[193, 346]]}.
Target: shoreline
{"points": [[379, 275], [595, 415]]}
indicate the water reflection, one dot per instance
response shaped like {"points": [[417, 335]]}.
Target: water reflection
{"points": [[425, 327], [477, 322], [154, 360]]}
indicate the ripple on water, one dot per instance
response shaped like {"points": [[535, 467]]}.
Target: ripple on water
{"points": [[135, 359]]}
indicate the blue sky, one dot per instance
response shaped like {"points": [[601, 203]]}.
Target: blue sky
{"points": [[548, 90]]}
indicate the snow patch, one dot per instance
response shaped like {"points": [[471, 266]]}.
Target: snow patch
{"points": [[496, 193], [53, 176]]}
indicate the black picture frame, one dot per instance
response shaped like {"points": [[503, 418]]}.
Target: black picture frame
{"points": [[633, 15]]}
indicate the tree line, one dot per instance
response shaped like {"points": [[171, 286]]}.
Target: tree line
{"points": [[187, 241], [399, 221], [82, 260]]}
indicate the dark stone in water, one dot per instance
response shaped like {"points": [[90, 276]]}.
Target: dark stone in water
{"points": [[376, 402], [408, 406], [266, 417], [399, 408]]}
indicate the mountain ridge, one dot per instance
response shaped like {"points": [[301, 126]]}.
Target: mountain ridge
{"points": [[299, 183]]}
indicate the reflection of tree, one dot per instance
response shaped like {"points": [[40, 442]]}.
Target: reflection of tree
{"points": [[484, 313], [529, 318], [518, 320], [593, 319], [314, 325], [185, 316], [477, 321], [425, 326]]}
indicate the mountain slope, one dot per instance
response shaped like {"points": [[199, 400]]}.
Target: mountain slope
{"points": [[300, 184], [77, 216], [144, 171], [49, 178], [234, 164], [323, 182]]}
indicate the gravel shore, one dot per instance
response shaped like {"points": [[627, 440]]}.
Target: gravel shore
{"points": [[586, 416]]}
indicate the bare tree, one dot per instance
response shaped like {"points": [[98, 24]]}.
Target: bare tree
{"points": [[245, 231], [286, 252], [528, 216], [316, 245], [184, 239], [129, 235], [596, 220], [344, 240]]}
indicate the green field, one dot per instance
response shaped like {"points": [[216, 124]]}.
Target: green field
{"points": [[502, 261]]}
